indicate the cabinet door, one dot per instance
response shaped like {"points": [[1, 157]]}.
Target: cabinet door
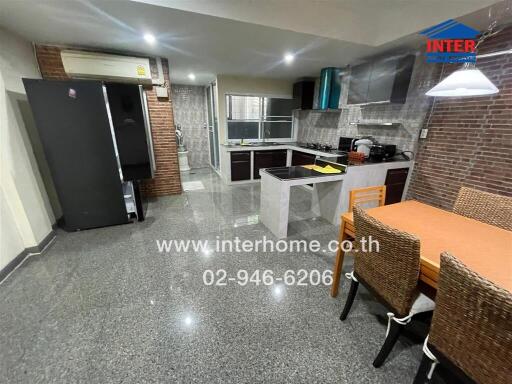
{"points": [[268, 159], [279, 158], [381, 80], [300, 158], [404, 68], [359, 83], [240, 166], [303, 94], [395, 184]]}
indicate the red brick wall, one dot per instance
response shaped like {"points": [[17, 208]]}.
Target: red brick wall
{"points": [[469, 139], [167, 177]]}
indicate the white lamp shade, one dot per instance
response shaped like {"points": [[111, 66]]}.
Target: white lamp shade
{"points": [[464, 82]]}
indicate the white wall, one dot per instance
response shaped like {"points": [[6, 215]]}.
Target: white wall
{"points": [[26, 215], [254, 86]]}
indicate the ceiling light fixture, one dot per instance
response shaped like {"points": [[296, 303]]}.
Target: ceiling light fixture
{"points": [[288, 58], [464, 82], [191, 76], [469, 80], [150, 39]]}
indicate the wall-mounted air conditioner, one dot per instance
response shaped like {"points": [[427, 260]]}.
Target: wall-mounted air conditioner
{"points": [[90, 65]]}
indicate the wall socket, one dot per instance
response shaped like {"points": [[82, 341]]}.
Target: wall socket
{"points": [[161, 92], [424, 133]]}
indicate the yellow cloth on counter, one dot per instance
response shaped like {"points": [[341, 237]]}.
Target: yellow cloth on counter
{"points": [[326, 169]]}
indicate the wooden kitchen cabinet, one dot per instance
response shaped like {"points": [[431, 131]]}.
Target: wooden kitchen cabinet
{"points": [[395, 184], [300, 158], [240, 166], [268, 159]]}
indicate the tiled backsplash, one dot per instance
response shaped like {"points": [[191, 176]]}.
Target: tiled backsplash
{"points": [[190, 112], [327, 127]]}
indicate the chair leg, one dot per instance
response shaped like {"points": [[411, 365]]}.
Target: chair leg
{"points": [[338, 264], [422, 374], [394, 332], [350, 299]]}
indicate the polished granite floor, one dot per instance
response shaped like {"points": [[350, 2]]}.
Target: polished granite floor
{"points": [[104, 306]]}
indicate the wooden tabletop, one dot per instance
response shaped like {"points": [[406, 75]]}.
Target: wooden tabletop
{"points": [[484, 248]]}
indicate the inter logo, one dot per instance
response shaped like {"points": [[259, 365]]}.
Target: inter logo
{"points": [[450, 42]]}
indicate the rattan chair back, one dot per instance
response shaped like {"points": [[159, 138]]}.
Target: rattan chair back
{"points": [[472, 323], [483, 206], [392, 270]]}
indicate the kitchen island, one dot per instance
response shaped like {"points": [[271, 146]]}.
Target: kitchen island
{"points": [[330, 194]]}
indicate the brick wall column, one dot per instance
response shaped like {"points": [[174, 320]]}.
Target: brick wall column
{"points": [[469, 141]]}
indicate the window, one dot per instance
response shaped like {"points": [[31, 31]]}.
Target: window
{"points": [[259, 118]]}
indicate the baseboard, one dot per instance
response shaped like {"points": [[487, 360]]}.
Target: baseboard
{"points": [[38, 249]]}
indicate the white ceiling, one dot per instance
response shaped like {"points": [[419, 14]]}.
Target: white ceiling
{"points": [[369, 22], [238, 37]]}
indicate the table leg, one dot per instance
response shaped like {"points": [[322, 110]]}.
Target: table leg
{"points": [[338, 264]]}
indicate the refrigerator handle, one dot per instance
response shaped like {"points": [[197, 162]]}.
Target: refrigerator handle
{"points": [[112, 132], [147, 126]]}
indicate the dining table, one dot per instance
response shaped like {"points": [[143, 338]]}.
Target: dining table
{"points": [[484, 248]]}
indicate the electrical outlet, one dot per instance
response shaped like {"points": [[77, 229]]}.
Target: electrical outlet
{"points": [[423, 133]]}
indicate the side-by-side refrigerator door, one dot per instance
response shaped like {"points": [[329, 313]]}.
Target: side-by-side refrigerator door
{"points": [[72, 120], [147, 126]]}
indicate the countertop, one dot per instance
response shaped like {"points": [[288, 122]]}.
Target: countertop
{"points": [[296, 172], [322, 155], [292, 146]]}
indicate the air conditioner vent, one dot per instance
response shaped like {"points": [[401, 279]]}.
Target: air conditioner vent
{"points": [[90, 65]]}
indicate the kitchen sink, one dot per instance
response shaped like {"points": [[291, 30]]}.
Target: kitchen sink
{"points": [[263, 144]]}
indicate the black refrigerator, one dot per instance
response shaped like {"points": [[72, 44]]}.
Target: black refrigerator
{"points": [[84, 153]]}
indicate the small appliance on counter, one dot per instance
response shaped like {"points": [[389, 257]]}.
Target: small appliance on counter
{"points": [[364, 146], [382, 152], [355, 157], [345, 144]]}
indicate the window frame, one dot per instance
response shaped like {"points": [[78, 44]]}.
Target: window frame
{"points": [[261, 120]]}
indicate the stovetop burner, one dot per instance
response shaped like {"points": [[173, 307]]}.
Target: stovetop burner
{"points": [[317, 146]]}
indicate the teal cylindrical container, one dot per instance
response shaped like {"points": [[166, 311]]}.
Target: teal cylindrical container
{"points": [[324, 88], [335, 91]]}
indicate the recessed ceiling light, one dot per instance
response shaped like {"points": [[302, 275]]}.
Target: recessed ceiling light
{"points": [[149, 38], [288, 58], [191, 76]]}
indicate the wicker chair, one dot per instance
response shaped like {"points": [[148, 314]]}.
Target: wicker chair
{"points": [[484, 206], [390, 272], [471, 330]]}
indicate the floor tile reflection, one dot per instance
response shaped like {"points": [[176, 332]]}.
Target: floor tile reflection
{"points": [[105, 305]]}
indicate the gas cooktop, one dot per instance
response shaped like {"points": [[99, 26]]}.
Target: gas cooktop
{"points": [[321, 147]]}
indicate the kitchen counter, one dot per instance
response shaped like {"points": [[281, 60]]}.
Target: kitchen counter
{"points": [[296, 172], [290, 146], [275, 195], [330, 195]]}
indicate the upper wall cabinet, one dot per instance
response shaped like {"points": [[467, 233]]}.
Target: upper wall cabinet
{"points": [[359, 83], [384, 80]]}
